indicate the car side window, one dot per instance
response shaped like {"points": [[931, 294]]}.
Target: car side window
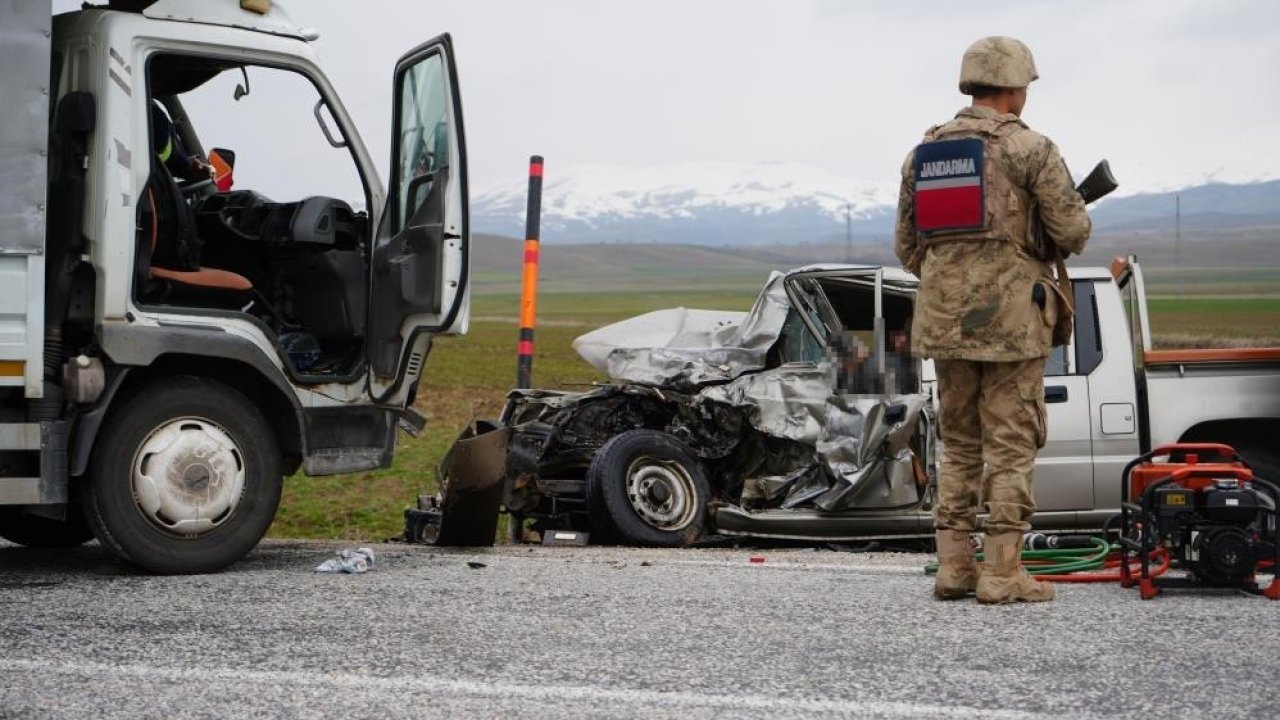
{"points": [[796, 343]]}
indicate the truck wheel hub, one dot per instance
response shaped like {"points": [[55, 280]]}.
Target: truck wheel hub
{"points": [[662, 493], [188, 476]]}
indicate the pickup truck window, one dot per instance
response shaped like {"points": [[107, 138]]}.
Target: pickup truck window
{"points": [[1087, 342], [1088, 337]]}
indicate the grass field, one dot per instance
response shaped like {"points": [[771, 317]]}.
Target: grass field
{"points": [[468, 377]]}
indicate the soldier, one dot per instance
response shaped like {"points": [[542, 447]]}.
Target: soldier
{"points": [[976, 194]]}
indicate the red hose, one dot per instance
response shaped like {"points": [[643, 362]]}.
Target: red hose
{"points": [[1160, 554]]}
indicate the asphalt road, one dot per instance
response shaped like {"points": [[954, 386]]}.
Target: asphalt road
{"points": [[557, 632]]}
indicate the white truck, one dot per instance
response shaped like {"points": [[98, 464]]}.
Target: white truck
{"points": [[171, 348]]}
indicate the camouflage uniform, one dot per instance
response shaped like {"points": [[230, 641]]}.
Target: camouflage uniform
{"points": [[976, 317]]}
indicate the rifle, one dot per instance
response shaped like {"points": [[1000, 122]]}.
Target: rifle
{"points": [[1098, 183]]}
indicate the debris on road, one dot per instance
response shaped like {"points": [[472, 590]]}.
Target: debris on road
{"points": [[351, 561], [476, 565], [464, 511]]}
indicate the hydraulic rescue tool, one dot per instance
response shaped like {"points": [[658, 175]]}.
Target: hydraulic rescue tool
{"points": [[1203, 505]]}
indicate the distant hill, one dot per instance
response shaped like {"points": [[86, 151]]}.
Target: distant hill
{"points": [[776, 204], [1224, 262], [1215, 206]]}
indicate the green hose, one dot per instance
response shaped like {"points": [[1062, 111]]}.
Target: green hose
{"points": [[1068, 560]]}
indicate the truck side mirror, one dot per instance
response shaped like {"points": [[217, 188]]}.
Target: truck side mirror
{"points": [[224, 163], [242, 89]]}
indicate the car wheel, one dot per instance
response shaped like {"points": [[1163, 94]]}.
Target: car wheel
{"points": [[647, 488], [186, 478], [35, 531]]}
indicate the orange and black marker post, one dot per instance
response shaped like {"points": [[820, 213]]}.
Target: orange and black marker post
{"points": [[529, 286]]}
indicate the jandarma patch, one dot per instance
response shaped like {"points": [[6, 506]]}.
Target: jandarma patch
{"points": [[949, 185]]}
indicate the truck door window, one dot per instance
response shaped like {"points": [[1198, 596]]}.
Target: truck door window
{"points": [[424, 135], [1133, 319]]}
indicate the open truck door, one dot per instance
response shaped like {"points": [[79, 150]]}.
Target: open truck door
{"points": [[420, 259]]}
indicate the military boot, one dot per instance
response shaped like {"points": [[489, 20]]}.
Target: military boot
{"points": [[1001, 577], [957, 570]]}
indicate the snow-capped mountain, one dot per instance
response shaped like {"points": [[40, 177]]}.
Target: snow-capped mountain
{"points": [[696, 203], [786, 203]]}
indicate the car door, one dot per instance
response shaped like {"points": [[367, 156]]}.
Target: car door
{"points": [[420, 263]]}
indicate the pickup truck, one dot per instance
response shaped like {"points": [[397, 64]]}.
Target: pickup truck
{"points": [[692, 437], [179, 330]]}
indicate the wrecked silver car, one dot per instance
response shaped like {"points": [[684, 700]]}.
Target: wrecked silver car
{"points": [[803, 418]]}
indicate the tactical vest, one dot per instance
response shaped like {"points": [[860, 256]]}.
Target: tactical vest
{"points": [[963, 191]]}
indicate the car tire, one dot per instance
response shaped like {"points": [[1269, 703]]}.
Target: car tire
{"points": [[35, 531], [186, 477], [644, 487]]}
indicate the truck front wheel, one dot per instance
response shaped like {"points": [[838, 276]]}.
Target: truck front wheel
{"points": [[186, 477]]}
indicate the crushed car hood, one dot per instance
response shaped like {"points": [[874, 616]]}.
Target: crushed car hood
{"points": [[684, 348]]}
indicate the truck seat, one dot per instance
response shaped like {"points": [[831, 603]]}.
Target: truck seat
{"points": [[205, 278], [201, 278]]}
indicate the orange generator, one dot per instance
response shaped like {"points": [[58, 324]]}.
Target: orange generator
{"points": [[1202, 504]]}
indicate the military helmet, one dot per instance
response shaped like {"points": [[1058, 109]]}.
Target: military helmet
{"points": [[997, 61]]}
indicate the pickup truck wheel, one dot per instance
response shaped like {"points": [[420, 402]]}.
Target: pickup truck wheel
{"points": [[186, 478], [35, 531], [646, 488]]}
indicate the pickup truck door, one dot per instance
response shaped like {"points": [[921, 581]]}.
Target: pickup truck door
{"points": [[1064, 467], [420, 264]]}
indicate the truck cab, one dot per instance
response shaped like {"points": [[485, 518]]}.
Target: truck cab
{"points": [[194, 308]]}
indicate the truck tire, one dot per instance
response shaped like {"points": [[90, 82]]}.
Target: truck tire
{"points": [[186, 477], [35, 531], [645, 488]]}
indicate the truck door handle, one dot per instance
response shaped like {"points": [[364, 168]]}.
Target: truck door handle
{"points": [[1055, 394]]}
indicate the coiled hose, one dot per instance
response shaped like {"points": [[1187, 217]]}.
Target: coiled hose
{"points": [[1099, 562]]}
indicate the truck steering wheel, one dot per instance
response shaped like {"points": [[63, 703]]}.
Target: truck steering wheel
{"points": [[195, 187]]}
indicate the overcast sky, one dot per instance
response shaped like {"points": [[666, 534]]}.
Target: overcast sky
{"points": [[1172, 91]]}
